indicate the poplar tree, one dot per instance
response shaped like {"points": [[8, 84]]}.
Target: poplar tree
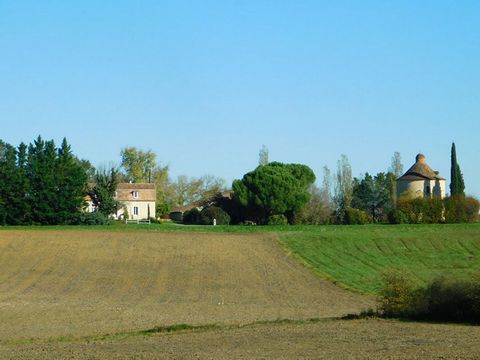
{"points": [[343, 185], [263, 156], [457, 186]]}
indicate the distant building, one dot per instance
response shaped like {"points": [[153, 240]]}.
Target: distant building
{"points": [[177, 213], [137, 200], [421, 181]]}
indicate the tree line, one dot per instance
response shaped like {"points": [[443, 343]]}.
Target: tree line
{"points": [[45, 184], [41, 183]]}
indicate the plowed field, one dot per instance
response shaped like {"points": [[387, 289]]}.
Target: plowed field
{"points": [[337, 339], [83, 283]]}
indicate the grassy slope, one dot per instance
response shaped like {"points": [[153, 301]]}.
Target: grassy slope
{"points": [[359, 256]]}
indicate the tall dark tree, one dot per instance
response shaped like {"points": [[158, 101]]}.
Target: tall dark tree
{"points": [[24, 215], [70, 180], [41, 174], [9, 185], [457, 185]]}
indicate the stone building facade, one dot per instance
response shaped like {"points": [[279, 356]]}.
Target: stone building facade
{"points": [[137, 201], [421, 181]]}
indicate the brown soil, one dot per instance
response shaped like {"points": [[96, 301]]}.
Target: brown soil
{"points": [[83, 283], [358, 339]]}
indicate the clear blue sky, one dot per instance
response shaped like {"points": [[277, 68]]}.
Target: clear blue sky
{"points": [[205, 83]]}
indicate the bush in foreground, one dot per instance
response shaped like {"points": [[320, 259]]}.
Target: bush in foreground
{"points": [[442, 299]]}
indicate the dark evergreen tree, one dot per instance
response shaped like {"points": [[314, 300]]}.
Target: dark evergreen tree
{"points": [[70, 184], [12, 187], [8, 176], [40, 184], [41, 175], [24, 208], [457, 185]]}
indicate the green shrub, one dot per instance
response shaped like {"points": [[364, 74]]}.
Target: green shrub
{"points": [[412, 209], [395, 297], [162, 209], [93, 218], [442, 299], [432, 211], [461, 209], [277, 220], [418, 211], [192, 217], [397, 216], [353, 216], [457, 209], [452, 300], [214, 212]]}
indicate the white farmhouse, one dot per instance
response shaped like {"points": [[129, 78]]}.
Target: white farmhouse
{"points": [[137, 201], [421, 181]]}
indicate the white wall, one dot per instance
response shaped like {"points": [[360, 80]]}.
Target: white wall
{"points": [[418, 188], [142, 209]]}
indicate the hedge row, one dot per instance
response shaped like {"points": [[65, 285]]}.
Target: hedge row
{"points": [[457, 209]]}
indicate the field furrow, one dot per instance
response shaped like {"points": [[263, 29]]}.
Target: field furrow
{"points": [[82, 283]]}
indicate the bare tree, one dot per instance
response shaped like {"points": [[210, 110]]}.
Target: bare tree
{"points": [[343, 185], [263, 156], [326, 188], [395, 171], [396, 166]]}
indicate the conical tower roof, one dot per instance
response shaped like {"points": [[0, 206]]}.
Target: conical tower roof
{"points": [[420, 171]]}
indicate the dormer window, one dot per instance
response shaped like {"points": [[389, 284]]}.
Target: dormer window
{"points": [[135, 194]]}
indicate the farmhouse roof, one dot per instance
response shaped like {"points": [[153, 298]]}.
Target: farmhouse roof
{"points": [[227, 194], [136, 186], [131, 192], [421, 171], [136, 192]]}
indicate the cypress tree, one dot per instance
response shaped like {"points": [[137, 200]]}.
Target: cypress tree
{"points": [[457, 185]]}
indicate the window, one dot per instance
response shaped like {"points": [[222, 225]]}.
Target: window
{"points": [[135, 194], [135, 210]]}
